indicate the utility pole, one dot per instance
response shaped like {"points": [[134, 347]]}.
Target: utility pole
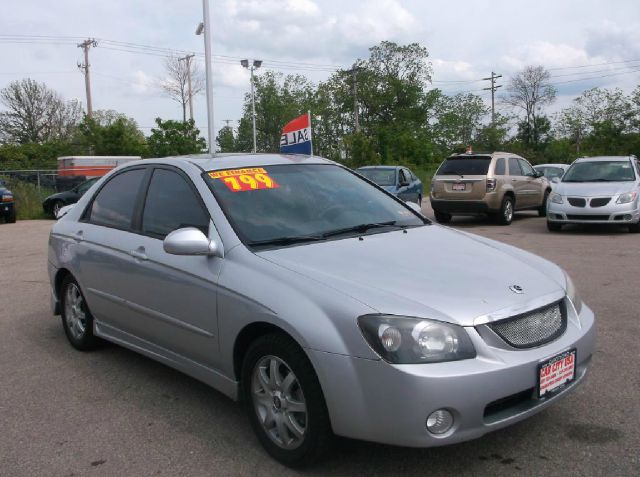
{"points": [[188, 58], [227, 122], [356, 115], [493, 89], [205, 27], [85, 45], [254, 66]]}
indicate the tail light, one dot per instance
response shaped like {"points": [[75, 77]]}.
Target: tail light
{"points": [[491, 185]]}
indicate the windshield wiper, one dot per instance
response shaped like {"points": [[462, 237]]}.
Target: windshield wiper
{"points": [[286, 240], [361, 228]]}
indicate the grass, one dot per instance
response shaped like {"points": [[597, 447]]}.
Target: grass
{"points": [[28, 199]]}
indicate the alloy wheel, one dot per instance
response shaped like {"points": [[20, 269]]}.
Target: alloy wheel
{"points": [[74, 311], [279, 402]]}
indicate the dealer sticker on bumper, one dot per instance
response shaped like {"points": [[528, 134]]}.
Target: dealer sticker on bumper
{"points": [[556, 372]]}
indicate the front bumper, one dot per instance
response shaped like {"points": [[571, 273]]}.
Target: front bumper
{"points": [[7, 208], [612, 213], [376, 401]]}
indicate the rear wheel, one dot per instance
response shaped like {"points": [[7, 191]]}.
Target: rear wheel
{"points": [[505, 216], [553, 227], [442, 217], [419, 202], [542, 210], [284, 401], [77, 320]]}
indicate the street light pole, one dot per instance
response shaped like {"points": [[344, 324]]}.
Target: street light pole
{"points": [[205, 27], [254, 66]]}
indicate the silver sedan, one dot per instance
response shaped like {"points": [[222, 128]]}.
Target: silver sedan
{"points": [[603, 190], [324, 303]]}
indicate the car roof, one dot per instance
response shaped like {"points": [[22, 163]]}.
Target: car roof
{"points": [[562, 166], [603, 158], [209, 162], [379, 167]]}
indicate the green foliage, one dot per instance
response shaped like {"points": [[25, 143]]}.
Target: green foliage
{"points": [[28, 199], [109, 133], [226, 140], [33, 156], [174, 138]]}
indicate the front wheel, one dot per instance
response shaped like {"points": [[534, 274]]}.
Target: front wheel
{"points": [[553, 227], [542, 210], [634, 228], [284, 401], [10, 218], [55, 208]]}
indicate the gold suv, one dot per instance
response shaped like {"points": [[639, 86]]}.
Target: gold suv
{"points": [[496, 184]]}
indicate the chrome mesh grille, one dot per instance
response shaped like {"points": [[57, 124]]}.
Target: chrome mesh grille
{"points": [[534, 328]]}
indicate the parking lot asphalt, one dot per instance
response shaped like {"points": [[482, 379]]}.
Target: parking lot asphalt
{"points": [[112, 412]]}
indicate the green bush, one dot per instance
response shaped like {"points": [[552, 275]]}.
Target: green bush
{"points": [[28, 199]]}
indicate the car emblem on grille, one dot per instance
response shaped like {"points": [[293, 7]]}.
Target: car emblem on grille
{"points": [[516, 289]]}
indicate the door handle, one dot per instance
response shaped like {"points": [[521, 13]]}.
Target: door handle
{"points": [[514, 180], [138, 254], [79, 236]]}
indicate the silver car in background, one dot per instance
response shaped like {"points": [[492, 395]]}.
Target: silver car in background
{"points": [[601, 190], [327, 305], [551, 171]]}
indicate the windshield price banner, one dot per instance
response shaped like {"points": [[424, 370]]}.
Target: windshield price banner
{"points": [[240, 180]]}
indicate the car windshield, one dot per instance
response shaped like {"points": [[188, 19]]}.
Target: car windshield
{"points": [[600, 171], [382, 177], [283, 204], [465, 166]]}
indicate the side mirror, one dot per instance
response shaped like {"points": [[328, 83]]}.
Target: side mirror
{"points": [[555, 180], [189, 241], [415, 207], [403, 183]]}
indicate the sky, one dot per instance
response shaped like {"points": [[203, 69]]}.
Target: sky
{"points": [[583, 43]]}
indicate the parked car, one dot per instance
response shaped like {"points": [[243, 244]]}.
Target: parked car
{"points": [[52, 204], [326, 304], [7, 204], [549, 171], [495, 184], [398, 180], [601, 190]]}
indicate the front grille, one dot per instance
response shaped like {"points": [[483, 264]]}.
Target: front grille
{"points": [[599, 201], [587, 217], [577, 201], [534, 328]]}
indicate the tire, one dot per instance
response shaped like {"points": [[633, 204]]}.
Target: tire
{"points": [[634, 228], [55, 207], [505, 216], [77, 320], [419, 201], [553, 227], [542, 210], [266, 400], [442, 217], [11, 217]]}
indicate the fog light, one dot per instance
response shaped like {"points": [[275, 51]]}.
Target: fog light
{"points": [[439, 421], [627, 217]]}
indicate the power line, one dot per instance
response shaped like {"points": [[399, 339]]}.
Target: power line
{"points": [[85, 45], [493, 88]]}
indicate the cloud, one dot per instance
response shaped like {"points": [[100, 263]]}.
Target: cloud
{"points": [[144, 83], [610, 39], [548, 54]]}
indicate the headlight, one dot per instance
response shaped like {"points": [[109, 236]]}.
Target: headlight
{"points": [[404, 340], [627, 197], [572, 294], [556, 198]]}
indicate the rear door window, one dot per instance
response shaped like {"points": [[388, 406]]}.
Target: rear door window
{"points": [[114, 205], [514, 167], [500, 168], [172, 204], [465, 166]]}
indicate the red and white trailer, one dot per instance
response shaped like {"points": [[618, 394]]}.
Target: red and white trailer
{"points": [[90, 166]]}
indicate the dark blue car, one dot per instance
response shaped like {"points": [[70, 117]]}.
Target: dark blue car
{"points": [[398, 180], [7, 204]]}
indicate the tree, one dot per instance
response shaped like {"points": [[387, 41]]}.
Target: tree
{"points": [[175, 138], [226, 139], [530, 91], [457, 120], [176, 83], [36, 114], [109, 133]]}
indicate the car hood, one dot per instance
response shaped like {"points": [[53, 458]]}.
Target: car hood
{"points": [[430, 272], [593, 189]]}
